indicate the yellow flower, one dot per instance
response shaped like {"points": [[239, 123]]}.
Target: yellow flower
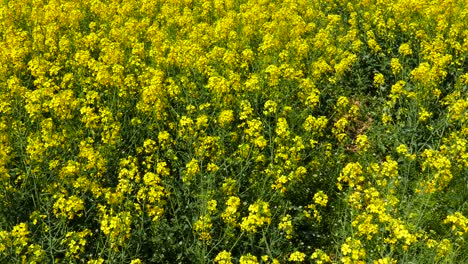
{"points": [[225, 117], [345, 64], [248, 259], [161, 169], [286, 226], [116, 226], [282, 128], [321, 198], [228, 186], [297, 256], [365, 225], [223, 257], [444, 248], [340, 125], [386, 118], [76, 241], [270, 107], [246, 110], [424, 114], [342, 103], [186, 126], [202, 121], [362, 142], [405, 49], [212, 167], [212, 206], [386, 260], [374, 45], [397, 90], [19, 234], [345, 249], [395, 66], [192, 169], [352, 174], [68, 207], [164, 138], [149, 145], [421, 73], [314, 124], [230, 214], [203, 228], [459, 223], [389, 168], [313, 99], [379, 80], [320, 257], [402, 149], [352, 251], [259, 215], [95, 261]]}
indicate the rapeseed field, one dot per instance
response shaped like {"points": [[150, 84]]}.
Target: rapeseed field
{"points": [[234, 131]]}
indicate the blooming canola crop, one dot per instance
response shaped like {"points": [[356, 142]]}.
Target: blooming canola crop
{"points": [[233, 131]]}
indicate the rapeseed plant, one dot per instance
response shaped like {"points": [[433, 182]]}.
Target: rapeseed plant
{"points": [[233, 131]]}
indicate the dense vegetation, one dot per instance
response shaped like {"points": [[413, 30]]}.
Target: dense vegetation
{"points": [[225, 131]]}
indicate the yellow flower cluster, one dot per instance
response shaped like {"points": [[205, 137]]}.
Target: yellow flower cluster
{"points": [[231, 213], [386, 260], [320, 198], [403, 150], [352, 175], [68, 207], [320, 257], [75, 241], [270, 107], [286, 226], [226, 117], [203, 227], [259, 215], [18, 240], [379, 80], [152, 193], [459, 223], [223, 257], [352, 251], [116, 226], [297, 256], [315, 125], [440, 167], [282, 128], [248, 259], [362, 142], [192, 169]]}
